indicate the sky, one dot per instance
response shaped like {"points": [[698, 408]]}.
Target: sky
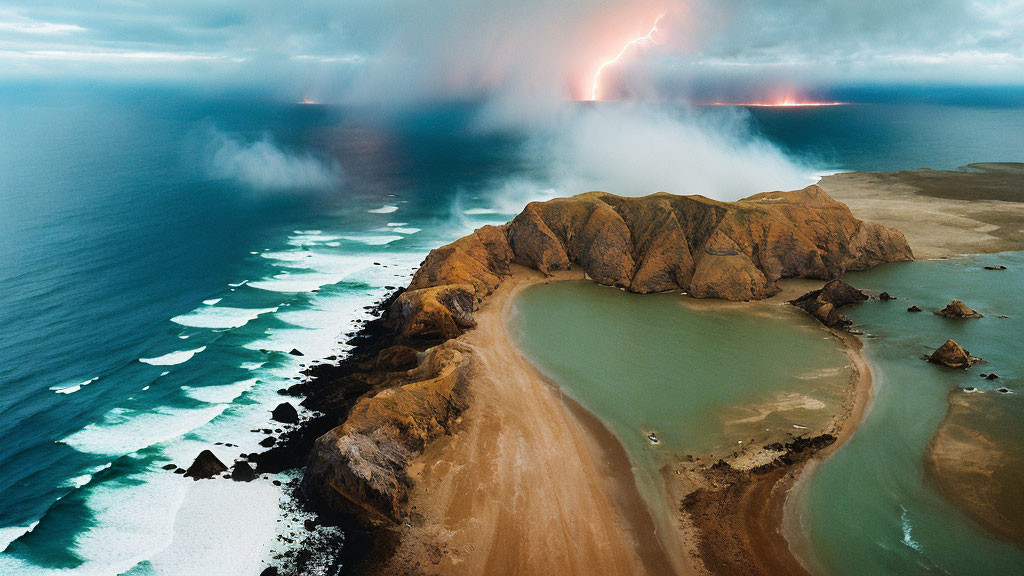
{"points": [[402, 50]]}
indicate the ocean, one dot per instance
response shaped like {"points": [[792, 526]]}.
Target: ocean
{"points": [[163, 250]]}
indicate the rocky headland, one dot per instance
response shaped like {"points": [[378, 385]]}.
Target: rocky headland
{"points": [[417, 373]]}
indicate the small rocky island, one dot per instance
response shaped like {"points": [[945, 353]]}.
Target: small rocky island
{"points": [[412, 376]]}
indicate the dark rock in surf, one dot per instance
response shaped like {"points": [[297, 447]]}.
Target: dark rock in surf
{"points": [[913, 309], [206, 465], [885, 297], [295, 352], [243, 472], [285, 413]]}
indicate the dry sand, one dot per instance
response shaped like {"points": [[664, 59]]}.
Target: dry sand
{"points": [[531, 483], [943, 213]]}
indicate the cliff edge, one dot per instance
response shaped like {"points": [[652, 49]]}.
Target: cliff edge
{"points": [[657, 243]]}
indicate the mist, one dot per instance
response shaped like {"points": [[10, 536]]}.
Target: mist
{"points": [[264, 166], [634, 150]]}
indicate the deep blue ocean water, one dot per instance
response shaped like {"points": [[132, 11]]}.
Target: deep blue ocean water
{"points": [[161, 251]]}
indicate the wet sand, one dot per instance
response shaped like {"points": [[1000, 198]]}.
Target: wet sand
{"points": [[531, 483], [942, 213], [977, 468]]}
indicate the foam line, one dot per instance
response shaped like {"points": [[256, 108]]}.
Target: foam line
{"points": [[220, 317], [173, 358]]}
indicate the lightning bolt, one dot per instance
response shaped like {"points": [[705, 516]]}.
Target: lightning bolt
{"points": [[597, 75]]}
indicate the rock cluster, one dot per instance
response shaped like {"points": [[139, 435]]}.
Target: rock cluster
{"points": [[824, 304], [662, 242]]}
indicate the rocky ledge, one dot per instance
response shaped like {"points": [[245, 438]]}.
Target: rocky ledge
{"points": [[410, 385]]}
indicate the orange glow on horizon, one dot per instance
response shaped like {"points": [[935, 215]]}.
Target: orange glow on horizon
{"points": [[308, 101], [785, 103], [596, 85]]}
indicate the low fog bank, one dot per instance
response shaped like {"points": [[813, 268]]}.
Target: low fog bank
{"points": [[635, 149], [265, 166]]}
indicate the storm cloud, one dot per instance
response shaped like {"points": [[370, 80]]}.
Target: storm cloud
{"points": [[406, 51]]}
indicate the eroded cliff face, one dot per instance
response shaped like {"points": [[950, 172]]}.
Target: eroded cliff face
{"points": [[362, 463], [709, 249]]}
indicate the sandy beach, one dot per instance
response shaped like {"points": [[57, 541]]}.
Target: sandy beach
{"points": [[942, 213], [531, 483]]}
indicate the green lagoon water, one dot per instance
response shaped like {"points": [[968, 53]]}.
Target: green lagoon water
{"points": [[694, 371], [870, 508], [700, 375]]}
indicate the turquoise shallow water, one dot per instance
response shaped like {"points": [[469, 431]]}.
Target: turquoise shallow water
{"points": [[870, 508]]}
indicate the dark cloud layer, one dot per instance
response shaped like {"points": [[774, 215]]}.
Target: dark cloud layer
{"points": [[401, 50]]}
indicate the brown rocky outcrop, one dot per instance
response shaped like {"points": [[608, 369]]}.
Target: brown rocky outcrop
{"points": [[957, 309], [953, 355], [662, 242], [363, 461], [824, 304]]}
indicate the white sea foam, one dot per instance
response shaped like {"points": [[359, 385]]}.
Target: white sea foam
{"points": [[907, 527], [311, 239], [219, 394], [79, 481], [386, 209], [371, 239], [123, 431], [220, 317], [245, 518], [133, 520], [479, 211], [213, 301], [399, 229], [72, 388], [9, 534], [324, 269], [173, 358], [180, 526], [242, 283], [397, 224], [307, 282], [332, 244]]}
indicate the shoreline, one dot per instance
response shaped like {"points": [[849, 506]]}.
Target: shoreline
{"points": [[767, 528], [863, 393], [740, 510], [443, 534], [547, 446]]}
